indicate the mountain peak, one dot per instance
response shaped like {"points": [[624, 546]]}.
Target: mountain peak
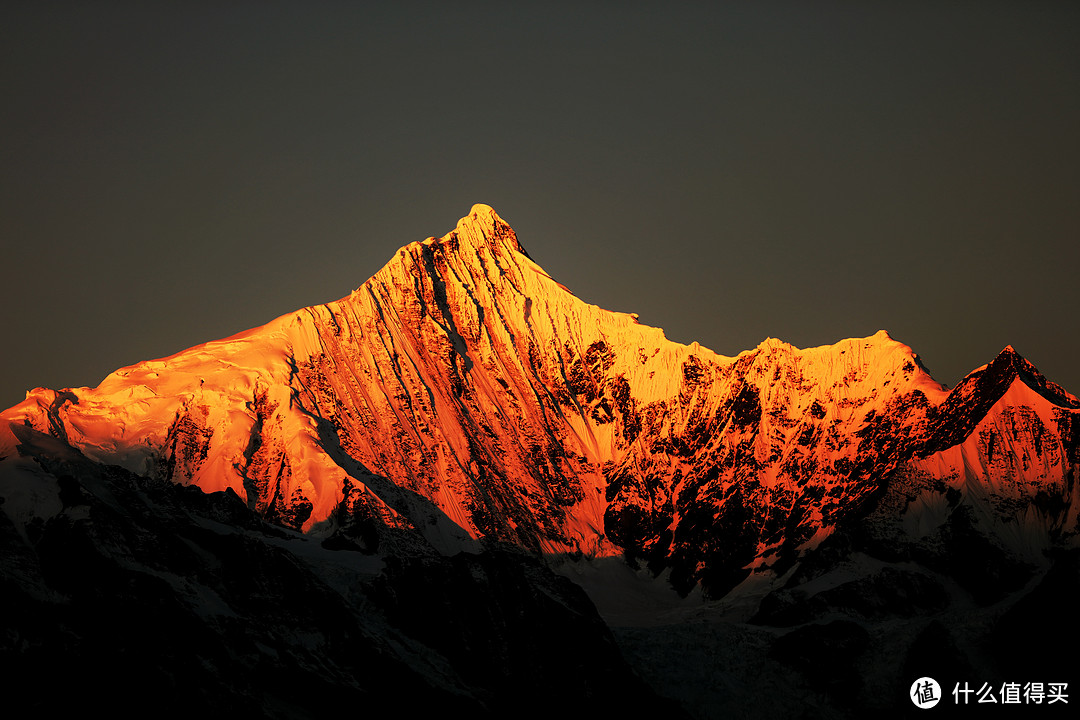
{"points": [[1011, 362], [973, 396], [1022, 368], [482, 210], [483, 227]]}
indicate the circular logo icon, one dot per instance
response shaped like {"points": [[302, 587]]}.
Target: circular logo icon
{"points": [[925, 693]]}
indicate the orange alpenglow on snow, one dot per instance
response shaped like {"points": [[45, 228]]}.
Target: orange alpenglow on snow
{"points": [[464, 393]]}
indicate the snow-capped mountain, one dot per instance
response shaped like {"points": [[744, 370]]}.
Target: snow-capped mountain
{"points": [[463, 395], [388, 480]]}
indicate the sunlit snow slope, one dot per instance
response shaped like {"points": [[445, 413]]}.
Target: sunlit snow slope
{"points": [[464, 394]]}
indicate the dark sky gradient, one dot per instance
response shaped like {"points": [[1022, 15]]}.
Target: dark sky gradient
{"points": [[809, 171]]}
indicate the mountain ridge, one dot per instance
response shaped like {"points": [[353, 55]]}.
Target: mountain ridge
{"points": [[463, 394]]}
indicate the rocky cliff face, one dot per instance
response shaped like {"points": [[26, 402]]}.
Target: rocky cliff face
{"points": [[461, 395]]}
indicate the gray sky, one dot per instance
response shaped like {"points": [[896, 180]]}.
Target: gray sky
{"points": [[177, 173]]}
